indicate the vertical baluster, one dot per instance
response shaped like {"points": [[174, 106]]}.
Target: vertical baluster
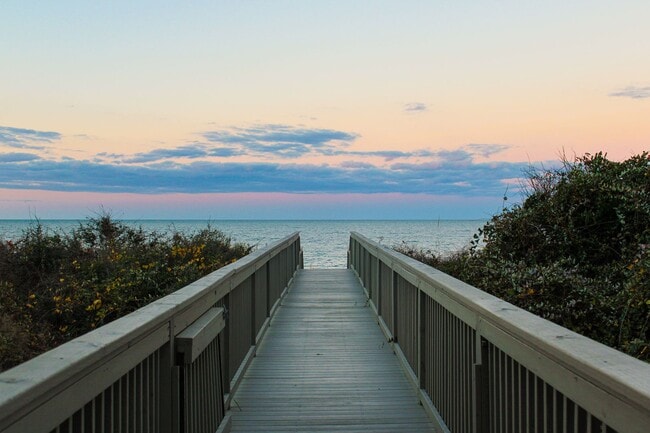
{"points": [[194, 425], [509, 394], [557, 412], [394, 290], [201, 393], [214, 385], [419, 329], [443, 365], [530, 402], [521, 397], [119, 406], [499, 390]]}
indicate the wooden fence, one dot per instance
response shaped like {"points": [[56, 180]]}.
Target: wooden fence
{"points": [[168, 367], [483, 365]]}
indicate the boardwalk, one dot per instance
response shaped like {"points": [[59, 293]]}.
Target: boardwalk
{"points": [[324, 365]]}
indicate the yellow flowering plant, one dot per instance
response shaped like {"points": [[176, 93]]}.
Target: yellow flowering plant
{"points": [[55, 286]]}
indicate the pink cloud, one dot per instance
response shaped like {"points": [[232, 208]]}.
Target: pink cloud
{"points": [[24, 204]]}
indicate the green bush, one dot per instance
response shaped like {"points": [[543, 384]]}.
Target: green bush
{"points": [[574, 252], [56, 286]]}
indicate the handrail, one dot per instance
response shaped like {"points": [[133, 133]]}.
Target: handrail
{"points": [[130, 365], [484, 365]]}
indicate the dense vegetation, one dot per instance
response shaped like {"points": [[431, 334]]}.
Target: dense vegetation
{"points": [[576, 251], [56, 286]]}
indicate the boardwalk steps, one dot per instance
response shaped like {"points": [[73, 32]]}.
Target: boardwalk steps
{"points": [[324, 365]]}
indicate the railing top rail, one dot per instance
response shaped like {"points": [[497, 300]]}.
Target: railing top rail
{"points": [[620, 374], [42, 377]]}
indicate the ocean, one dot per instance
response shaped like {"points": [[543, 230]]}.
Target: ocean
{"points": [[324, 242]]}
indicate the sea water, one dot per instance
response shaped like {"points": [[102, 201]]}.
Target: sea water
{"points": [[324, 243]]}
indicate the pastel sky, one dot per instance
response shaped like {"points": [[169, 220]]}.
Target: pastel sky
{"points": [[309, 109]]}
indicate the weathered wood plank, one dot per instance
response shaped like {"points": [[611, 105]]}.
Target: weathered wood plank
{"points": [[324, 365], [196, 337]]}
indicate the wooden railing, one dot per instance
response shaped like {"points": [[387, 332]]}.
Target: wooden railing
{"points": [[483, 365], [168, 367]]}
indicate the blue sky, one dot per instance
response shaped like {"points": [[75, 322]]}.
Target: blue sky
{"points": [[365, 109]]}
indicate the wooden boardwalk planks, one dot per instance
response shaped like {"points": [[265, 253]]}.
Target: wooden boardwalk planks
{"points": [[324, 365]]}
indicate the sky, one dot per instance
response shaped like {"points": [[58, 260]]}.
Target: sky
{"points": [[309, 109]]}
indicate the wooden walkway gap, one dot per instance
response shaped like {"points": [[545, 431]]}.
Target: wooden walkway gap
{"points": [[324, 365]]}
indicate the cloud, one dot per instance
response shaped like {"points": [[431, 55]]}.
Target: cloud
{"points": [[388, 155], [456, 158], [461, 177], [280, 140], [457, 175], [283, 142], [18, 157], [633, 92], [26, 138], [356, 165], [109, 155], [225, 152], [486, 150], [189, 151], [279, 150], [206, 167], [287, 150], [514, 181], [415, 107]]}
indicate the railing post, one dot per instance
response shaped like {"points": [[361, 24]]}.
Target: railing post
{"points": [[288, 264], [285, 258], [421, 339], [268, 288], [378, 279], [394, 289], [299, 258], [356, 256], [169, 410], [225, 346], [480, 387], [253, 307], [349, 252], [368, 273]]}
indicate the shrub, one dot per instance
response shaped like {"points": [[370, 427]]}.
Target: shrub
{"points": [[574, 252], [56, 286]]}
